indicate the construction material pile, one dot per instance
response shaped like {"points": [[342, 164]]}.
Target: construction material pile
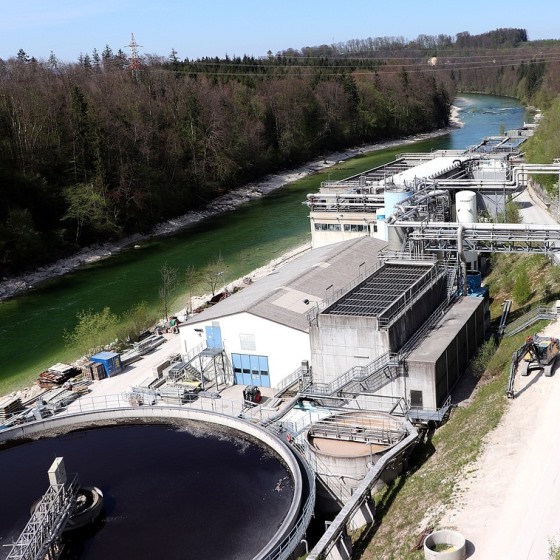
{"points": [[9, 406], [56, 376]]}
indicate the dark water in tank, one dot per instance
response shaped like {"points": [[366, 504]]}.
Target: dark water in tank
{"points": [[169, 492]]}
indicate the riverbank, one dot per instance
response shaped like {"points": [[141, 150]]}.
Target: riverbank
{"points": [[11, 287]]}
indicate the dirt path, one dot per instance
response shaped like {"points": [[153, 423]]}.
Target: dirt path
{"points": [[507, 503]]}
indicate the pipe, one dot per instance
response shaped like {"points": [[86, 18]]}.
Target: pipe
{"points": [[462, 258], [481, 226]]}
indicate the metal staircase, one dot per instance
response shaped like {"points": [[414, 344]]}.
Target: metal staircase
{"points": [[380, 372], [536, 314]]}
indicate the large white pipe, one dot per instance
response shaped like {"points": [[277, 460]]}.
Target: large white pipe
{"points": [[479, 226]]}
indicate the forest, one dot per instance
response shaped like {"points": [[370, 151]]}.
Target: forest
{"points": [[104, 147]]}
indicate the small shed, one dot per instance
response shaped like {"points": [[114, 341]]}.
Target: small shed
{"points": [[111, 362]]}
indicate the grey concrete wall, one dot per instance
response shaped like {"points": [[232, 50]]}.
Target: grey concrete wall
{"points": [[401, 331], [342, 342], [436, 372]]}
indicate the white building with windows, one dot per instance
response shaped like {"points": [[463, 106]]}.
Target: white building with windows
{"points": [[262, 331]]}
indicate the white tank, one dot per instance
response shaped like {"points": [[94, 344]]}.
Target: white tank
{"points": [[466, 212], [465, 207], [392, 198]]}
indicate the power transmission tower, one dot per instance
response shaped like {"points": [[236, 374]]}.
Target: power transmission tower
{"points": [[134, 56]]}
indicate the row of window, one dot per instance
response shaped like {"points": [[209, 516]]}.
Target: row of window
{"points": [[354, 228], [327, 227]]}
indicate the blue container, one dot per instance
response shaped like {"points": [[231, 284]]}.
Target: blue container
{"points": [[474, 280], [111, 362]]}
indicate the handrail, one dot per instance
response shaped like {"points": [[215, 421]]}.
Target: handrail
{"points": [[314, 313], [532, 316], [360, 495], [288, 381], [46, 522]]}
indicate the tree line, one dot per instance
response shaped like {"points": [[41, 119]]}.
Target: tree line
{"points": [[96, 150]]}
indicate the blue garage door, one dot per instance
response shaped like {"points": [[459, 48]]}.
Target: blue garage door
{"points": [[251, 370]]}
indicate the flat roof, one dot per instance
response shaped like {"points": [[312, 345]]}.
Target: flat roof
{"points": [[428, 170], [439, 338], [379, 291]]}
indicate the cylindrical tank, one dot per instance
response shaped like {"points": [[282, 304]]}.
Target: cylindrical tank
{"points": [[345, 446], [393, 197], [466, 213], [465, 207], [394, 235]]}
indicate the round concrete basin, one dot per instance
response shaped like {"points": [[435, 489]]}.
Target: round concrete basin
{"points": [[445, 545]]}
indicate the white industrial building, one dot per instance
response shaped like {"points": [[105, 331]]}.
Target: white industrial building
{"points": [[262, 331]]}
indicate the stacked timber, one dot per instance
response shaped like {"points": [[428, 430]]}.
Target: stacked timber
{"points": [[56, 376], [93, 371], [9, 406]]}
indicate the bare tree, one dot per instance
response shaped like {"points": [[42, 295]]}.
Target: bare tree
{"points": [[167, 287], [213, 272], [192, 276]]}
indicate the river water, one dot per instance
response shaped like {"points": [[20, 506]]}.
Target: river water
{"points": [[32, 325]]}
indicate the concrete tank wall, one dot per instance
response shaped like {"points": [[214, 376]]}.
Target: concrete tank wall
{"points": [[342, 464], [89, 419], [342, 342]]}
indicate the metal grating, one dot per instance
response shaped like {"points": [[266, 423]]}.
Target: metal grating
{"points": [[378, 292]]}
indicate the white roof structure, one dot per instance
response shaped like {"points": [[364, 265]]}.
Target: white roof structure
{"points": [[428, 170]]}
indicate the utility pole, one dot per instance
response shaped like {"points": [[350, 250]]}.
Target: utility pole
{"points": [[134, 56]]}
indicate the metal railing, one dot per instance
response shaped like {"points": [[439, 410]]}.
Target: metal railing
{"points": [[288, 381], [411, 296], [360, 495], [46, 524], [536, 314], [335, 296], [354, 374]]}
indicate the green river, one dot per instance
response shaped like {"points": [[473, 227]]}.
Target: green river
{"points": [[32, 325]]}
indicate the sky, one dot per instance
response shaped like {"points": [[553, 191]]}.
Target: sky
{"points": [[202, 28]]}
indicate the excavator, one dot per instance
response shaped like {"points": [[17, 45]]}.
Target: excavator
{"points": [[536, 352]]}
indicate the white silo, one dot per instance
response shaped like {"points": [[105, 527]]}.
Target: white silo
{"points": [[466, 213], [393, 198]]}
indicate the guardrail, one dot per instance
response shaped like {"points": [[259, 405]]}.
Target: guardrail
{"points": [[532, 316], [314, 313], [282, 550], [38, 537], [288, 381], [360, 495]]}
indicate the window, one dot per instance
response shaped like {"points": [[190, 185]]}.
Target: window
{"points": [[416, 399], [247, 342], [356, 228], [327, 227]]}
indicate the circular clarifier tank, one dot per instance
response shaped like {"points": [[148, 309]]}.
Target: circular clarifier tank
{"points": [[195, 486], [348, 444]]}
